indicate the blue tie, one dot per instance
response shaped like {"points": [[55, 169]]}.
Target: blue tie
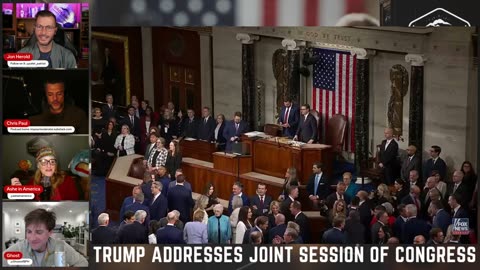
{"points": [[316, 183]]}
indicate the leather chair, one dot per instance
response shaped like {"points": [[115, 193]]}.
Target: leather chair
{"points": [[336, 132], [273, 130]]}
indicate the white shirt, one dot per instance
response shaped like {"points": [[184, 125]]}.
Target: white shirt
{"points": [[387, 143], [456, 209], [297, 214]]}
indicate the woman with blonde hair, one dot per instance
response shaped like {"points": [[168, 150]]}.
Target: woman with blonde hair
{"points": [[200, 205], [339, 209], [290, 180], [382, 195], [56, 185], [125, 142], [274, 211]]}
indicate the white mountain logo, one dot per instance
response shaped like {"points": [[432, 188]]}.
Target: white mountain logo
{"points": [[439, 17]]}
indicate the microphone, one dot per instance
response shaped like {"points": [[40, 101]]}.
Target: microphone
{"points": [[47, 188]]}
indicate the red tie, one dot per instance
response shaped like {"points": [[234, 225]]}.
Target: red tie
{"points": [[286, 115]]}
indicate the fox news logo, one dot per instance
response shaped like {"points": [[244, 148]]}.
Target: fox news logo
{"points": [[460, 226]]}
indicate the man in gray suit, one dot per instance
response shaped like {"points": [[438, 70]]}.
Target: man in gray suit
{"points": [[412, 162]]}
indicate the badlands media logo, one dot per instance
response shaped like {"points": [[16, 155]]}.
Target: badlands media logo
{"points": [[460, 226], [439, 17]]}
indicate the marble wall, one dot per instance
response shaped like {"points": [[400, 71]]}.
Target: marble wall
{"points": [[227, 71]]}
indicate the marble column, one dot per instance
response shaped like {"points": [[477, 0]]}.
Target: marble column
{"points": [[293, 54], [415, 116], [361, 108], [248, 78]]}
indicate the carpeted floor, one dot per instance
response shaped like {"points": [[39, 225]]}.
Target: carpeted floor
{"points": [[97, 198]]}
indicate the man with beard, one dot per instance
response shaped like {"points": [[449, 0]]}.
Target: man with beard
{"points": [[44, 47], [59, 113]]}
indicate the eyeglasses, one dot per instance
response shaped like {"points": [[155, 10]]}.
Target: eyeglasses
{"points": [[44, 162], [49, 28]]}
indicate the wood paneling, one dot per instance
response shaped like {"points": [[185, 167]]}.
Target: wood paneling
{"points": [[232, 163], [176, 50], [198, 149]]}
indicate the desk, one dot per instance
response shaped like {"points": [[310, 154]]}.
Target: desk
{"points": [[119, 184], [274, 156], [232, 163], [198, 149]]}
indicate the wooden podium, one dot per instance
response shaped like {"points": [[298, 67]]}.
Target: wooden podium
{"points": [[122, 177], [274, 156], [232, 163], [198, 149]]}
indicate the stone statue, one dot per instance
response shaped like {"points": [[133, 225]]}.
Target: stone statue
{"points": [[280, 71], [399, 84]]}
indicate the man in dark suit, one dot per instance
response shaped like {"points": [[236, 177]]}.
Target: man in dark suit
{"points": [[458, 212], [414, 198], [335, 235], [285, 205], [354, 229], [180, 198], [150, 147], [414, 179], [109, 110], [260, 202], [103, 235], [170, 234], [135, 233], [414, 226], [129, 200], [382, 222], [411, 162], [278, 230], [206, 129], [237, 190], [459, 188], [158, 205], [139, 205], [436, 237], [435, 163], [440, 218], [457, 209], [133, 122], [400, 222], [261, 225], [307, 131], [233, 129], [174, 182], [318, 186], [338, 195], [191, 125], [388, 157], [365, 211], [289, 118], [301, 219], [163, 178]]}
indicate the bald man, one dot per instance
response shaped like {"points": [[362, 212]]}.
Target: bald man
{"points": [[411, 162], [388, 157]]}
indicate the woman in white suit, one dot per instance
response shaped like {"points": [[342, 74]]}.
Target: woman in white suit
{"points": [[125, 142]]}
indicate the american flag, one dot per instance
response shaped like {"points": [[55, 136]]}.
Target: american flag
{"points": [[334, 89], [222, 12]]}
